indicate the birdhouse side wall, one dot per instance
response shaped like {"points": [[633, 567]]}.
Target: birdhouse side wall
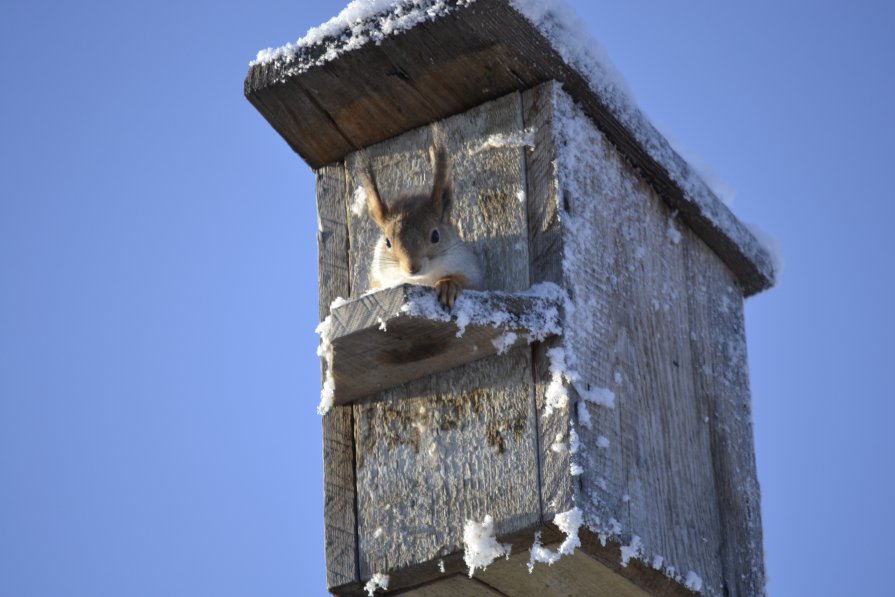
{"points": [[657, 461]]}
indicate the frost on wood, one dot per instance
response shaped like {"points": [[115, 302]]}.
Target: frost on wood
{"points": [[569, 523], [540, 319], [359, 202], [486, 309], [325, 352], [693, 582], [602, 396], [504, 342], [559, 23], [480, 547], [674, 235], [359, 23], [586, 192], [525, 138], [561, 374], [377, 581], [633, 550]]}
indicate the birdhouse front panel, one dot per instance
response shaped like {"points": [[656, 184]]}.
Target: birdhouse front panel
{"points": [[460, 444]]}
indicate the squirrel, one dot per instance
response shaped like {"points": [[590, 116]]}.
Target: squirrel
{"points": [[419, 244]]}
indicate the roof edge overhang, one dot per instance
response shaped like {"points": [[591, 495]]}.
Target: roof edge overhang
{"points": [[340, 95]]}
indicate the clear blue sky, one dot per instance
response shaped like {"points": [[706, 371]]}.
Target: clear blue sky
{"points": [[158, 286]]}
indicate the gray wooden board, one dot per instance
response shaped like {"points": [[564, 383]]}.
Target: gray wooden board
{"points": [[456, 445], [718, 340], [575, 575], [511, 577], [545, 248], [446, 66], [642, 574], [628, 281], [340, 520], [544, 227], [442, 450], [376, 346]]}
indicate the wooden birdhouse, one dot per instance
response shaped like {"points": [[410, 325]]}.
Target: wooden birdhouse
{"points": [[585, 415]]}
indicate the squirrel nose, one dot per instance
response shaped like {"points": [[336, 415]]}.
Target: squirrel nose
{"points": [[413, 269]]}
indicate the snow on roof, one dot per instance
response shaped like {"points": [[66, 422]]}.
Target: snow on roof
{"points": [[372, 21]]}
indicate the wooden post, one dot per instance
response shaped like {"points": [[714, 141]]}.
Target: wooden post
{"points": [[633, 419]]}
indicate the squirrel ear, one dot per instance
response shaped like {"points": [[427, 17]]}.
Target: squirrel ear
{"points": [[442, 189], [378, 210]]}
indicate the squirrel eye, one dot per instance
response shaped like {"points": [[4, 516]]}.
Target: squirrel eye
{"points": [[435, 236], [388, 243]]}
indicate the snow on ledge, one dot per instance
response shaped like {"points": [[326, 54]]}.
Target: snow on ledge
{"points": [[473, 307], [377, 581], [480, 547], [485, 308], [568, 522]]}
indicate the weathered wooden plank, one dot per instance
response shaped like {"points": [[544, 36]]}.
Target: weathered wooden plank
{"points": [[642, 574], [630, 334], [472, 55], [453, 586], [302, 122], [606, 556], [442, 450], [459, 444], [558, 487], [340, 520], [575, 575], [718, 341], [544, 227], [377, 344], [332, 236]]}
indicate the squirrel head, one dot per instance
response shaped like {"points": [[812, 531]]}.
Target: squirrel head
{"points": [[416, 227]]}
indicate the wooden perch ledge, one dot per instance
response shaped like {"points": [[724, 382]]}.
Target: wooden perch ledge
{"points": [[392, 336]]}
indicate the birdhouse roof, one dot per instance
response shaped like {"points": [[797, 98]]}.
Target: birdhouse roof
{"points": [[383, 67]]}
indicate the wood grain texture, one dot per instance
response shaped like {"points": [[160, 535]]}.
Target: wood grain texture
{"points": [[718, 341], [453, 586], [576, 575], [293, 112], [377, 346], [460, 444], [472, 55], [339, 510], [558, 487], [629, 283], [510, 576], [544, 227], [642, 574], [442, 450]]}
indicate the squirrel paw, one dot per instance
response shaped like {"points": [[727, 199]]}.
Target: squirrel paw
{"points": [[447, 290]]}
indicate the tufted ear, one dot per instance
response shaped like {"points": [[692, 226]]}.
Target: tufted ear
{"points": [[378, 210], [442, 188]]}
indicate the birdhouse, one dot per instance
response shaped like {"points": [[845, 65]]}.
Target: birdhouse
{"points": [[580, 423]]}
